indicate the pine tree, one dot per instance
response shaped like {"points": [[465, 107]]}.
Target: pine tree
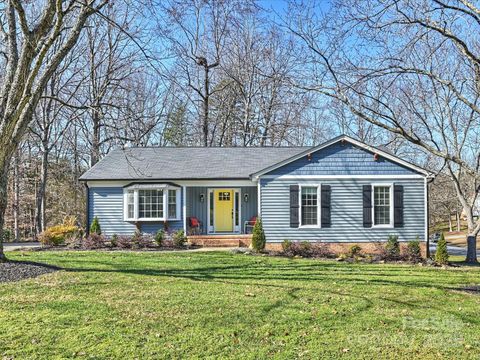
{"points": [[95, 227], [258, 237], [441, 256]]}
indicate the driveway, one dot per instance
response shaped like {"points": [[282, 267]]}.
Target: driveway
{"points": [[452, 250], [21, 245]]}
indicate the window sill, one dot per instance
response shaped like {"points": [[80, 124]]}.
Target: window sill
{"points": [[382, 226], [309, 227]]}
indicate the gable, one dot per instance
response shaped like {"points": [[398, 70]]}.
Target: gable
{"points": [[342, 158]]}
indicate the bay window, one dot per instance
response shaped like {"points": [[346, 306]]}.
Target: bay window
{"points": [[150, 202]]}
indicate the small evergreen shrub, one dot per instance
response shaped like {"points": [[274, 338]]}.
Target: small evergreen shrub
{"points": [[258, 237], [441, 255], [7, 235], [93, 241], [179, 239], [392, 248], [413, 251], [354, 251], [114, 240], [95, 227], [286, 245], [160, 237]]}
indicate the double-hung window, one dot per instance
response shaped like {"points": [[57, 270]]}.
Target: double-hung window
{"points": [[309, 205], [150, 202], [382, 205]]}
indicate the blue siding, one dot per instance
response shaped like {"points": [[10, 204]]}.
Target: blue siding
{"points": [[107, 204], [346, 212], [338, 159]]}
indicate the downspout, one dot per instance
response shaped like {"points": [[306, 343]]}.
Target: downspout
{"points": [[87, 206], [427, 208]]}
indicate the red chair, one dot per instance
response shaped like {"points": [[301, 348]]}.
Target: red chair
{"points": [[249, 224], [195, 225]]}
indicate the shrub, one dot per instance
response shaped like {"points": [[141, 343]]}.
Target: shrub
{"points": [[59, 234], [93, 241], [354, 251], [141, 241], [7, 235], [95, 227], [114, 240], [160, 237], [258, 237], [392, 247], [124, 242], [179, 238], [413, 252], [441, 255], [286, 245]]}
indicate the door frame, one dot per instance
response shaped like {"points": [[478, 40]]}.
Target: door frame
{"points": [[211, 222]]}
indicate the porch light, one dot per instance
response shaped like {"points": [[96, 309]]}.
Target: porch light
{"points": [[245, 197], [202, 197]]}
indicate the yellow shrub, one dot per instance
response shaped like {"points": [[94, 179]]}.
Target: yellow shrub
{"points": [[56, 235]]}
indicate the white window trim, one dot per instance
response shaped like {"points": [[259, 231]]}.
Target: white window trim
{"points": [[165, 189], [383, 226], [319, 207]]}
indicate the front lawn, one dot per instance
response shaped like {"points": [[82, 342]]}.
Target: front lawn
{"points": [[221, 305]]}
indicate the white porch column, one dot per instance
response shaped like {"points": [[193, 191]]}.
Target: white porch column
{"points": [[184, 208]]}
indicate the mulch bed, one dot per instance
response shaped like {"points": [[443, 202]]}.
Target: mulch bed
{"points": [[20, 270]]}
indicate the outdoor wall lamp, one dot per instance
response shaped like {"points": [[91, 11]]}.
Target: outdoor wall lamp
{"points": [[202, 197], [245, 197]]}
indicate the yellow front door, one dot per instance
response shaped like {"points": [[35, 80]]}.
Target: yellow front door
{"points": [[223, 210]]}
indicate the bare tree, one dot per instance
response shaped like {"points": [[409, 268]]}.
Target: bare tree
{"points": [[28, 41], [409, 67]]}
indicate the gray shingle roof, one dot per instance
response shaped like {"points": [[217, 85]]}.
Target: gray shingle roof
{"points": [[169, 163]]}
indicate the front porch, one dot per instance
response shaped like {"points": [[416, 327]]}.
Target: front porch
{"points": [[234, 240], [221, 214]]}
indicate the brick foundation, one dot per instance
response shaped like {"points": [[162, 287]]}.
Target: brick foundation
{"points": [[341, 248]]}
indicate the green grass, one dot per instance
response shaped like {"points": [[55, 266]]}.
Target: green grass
{"points": [[219, 305]]}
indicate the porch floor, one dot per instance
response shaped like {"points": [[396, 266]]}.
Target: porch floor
{"points": [[228, 240]]}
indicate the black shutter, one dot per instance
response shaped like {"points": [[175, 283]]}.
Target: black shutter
{"points": [[294, 205], [367, 206], [398, 205], [326, 205]]}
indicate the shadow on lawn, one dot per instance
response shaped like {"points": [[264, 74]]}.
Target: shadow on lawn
{"points": [[264, 275]]}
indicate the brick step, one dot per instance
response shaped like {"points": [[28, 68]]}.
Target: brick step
{"points": [[220, 240]]}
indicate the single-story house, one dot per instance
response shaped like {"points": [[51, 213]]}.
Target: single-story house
{"points": [[340, 192]]}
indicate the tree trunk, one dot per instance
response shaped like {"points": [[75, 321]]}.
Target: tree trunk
{"points": [[458, 221], [450, 225], [42, 186], [3, 201], [16, 196], [205, 107], [471, 249], [95, 153]]}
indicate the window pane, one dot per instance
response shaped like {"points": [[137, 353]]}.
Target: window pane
{"points": [[309, 206], [172, 204], [381, 206], [211, 208], [150, 203], [130, 204]]}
